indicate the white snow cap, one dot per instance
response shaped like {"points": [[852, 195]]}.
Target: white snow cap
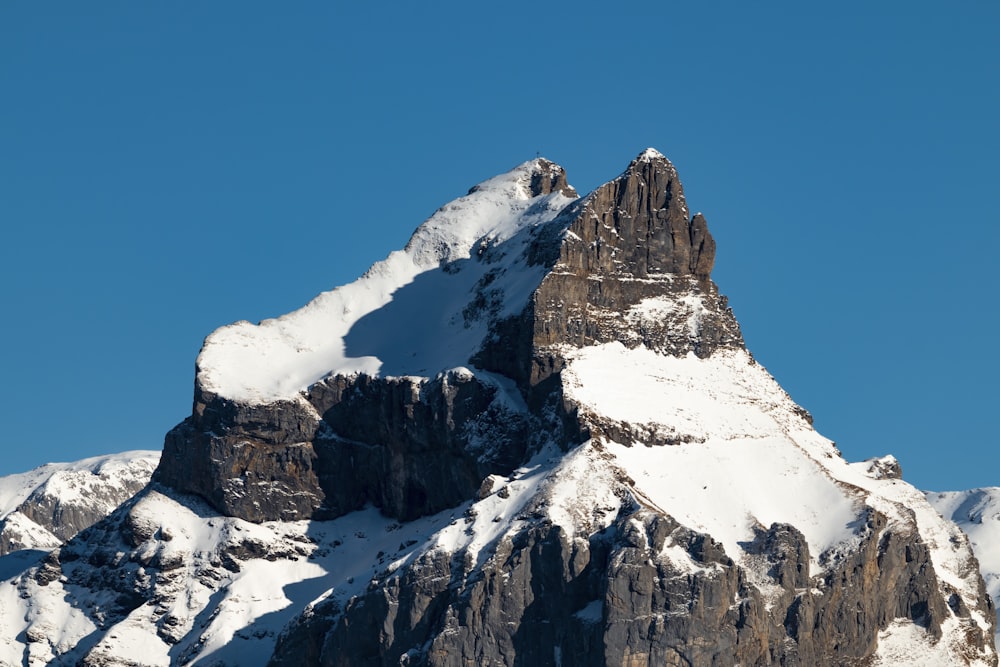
{"points": [[649, 155], [350, 329], [72, 480]]}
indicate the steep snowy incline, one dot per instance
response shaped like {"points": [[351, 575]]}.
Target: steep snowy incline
{"points": [[165, 581], [279, 358], [977, 513], [729, 420]]}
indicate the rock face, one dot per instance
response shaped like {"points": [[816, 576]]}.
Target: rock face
{"points": [[533, 437], [616, 600], [410, 446], [631, 246], [626, 264]]}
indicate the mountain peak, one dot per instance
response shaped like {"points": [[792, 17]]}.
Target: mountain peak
{"points": [[548, 177], [646, 218], [506, 281], [650, 155], [551, 407]]}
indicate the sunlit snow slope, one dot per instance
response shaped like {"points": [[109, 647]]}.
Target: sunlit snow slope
{"points": [[427, 333], [977, 513], [748, 458]]}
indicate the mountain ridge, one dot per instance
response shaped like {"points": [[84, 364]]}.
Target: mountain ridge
{"points": [[44, 507]]}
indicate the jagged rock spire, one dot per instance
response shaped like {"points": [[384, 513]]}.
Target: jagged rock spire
{"points": [[640, 223], [630, 266]]}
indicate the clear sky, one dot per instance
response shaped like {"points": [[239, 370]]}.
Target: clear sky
{"points": [[167, 168]]}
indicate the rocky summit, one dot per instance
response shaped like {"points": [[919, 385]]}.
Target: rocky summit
{"points": [[534, 436]]}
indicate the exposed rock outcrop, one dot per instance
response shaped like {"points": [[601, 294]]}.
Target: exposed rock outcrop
{"points": [[645, 591], [409, 445], [626, 263]]}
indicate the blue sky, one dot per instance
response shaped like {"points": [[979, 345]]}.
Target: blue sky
{"points": [[167, 168]]}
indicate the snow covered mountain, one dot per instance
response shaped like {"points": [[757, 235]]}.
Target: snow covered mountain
{"points": [[532, 437], [42, 508]]}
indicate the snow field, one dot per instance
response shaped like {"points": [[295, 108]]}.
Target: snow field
{"points": [[219, 615], [721, 481]]}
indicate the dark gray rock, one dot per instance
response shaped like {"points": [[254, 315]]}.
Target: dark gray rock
{"points": [[239, 475], [411, 447], [629, 241], [548, 178], [615, 599], [885, 467]]}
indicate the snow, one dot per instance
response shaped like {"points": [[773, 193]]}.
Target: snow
{"points": [[905, 643], [691, 308], [715, 443], [71, 481], [735, 453], [221, 616], [977, 514], [744, 458], [593, 612], [16, 562], [575, 489], [91, 487], [731, 419], [407, 315], [26, 534], [905, 507], [649, 155]]}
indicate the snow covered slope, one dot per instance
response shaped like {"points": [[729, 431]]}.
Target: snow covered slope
{"points": [[749, 459], [281, 357], [44, 507], [977, 513], [211, 589]]}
